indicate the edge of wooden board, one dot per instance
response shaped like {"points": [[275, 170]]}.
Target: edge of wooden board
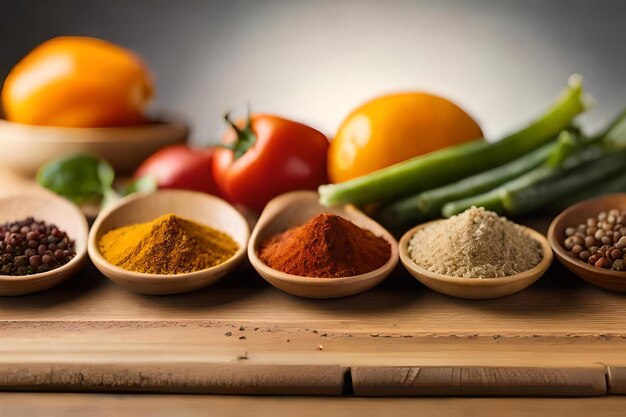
{"points": [[200, 378], [616, 379], [477, 381], [223, 378]]}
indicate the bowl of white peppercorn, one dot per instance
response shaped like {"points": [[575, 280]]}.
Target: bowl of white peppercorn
{"points": [[589, 239]]}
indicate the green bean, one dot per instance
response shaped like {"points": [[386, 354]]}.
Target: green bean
{"points": [[428, 204], [542, 183], [615, 184], [529, 199]]}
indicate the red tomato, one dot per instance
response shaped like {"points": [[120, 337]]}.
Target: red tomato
{"points": [[268, 157], [180, 166]]}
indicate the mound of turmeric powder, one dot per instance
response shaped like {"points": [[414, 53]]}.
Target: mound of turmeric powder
{"points": [[167, 245]]}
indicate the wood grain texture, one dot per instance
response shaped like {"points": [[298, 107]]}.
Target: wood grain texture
{"points": [[529, 381], [181, 377], [557, 305], [406, 380], [135, 405], [273, 343], [88, 320], [616, 379]]}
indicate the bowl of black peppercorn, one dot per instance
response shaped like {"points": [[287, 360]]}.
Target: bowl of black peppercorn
{"points": [[43, 241]]}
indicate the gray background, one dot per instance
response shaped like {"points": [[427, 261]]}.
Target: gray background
{"points": [[504, 61]]}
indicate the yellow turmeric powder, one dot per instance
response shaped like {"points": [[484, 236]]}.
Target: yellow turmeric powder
{"points": [[167, 245]]}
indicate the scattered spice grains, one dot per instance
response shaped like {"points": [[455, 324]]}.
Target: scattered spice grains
{"points": [[601, 241], [327, 246], [30, 247], [167, 245], [475, 244]]}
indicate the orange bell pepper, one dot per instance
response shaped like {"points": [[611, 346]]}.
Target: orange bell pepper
{"points": [[78, 82]]}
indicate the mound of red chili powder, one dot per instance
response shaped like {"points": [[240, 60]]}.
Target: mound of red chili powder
{"points": [[327, 246]]}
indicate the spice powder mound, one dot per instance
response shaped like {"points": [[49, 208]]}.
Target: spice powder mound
{"points": [[475, 244], [167, 245], [327, 246]]}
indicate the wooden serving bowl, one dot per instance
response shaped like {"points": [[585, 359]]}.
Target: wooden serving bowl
{"points": [[294, 209], [475, 288], [50, 209], [139, 208], [573, 216], [28, 147]]}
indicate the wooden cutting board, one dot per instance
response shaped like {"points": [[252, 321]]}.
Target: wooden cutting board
{"points": [[561, 336], [243, 336]]}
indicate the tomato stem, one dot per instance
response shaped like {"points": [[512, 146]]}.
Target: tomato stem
{"points": [[246, 138]]}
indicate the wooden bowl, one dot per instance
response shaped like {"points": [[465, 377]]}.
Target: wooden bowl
{"points": [[573, 216], [475, 288], [28, 147], [295, 208], [50, 209], [139, 208]]}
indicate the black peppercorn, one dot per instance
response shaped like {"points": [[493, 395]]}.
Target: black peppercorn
{"points": [[29, 247]]}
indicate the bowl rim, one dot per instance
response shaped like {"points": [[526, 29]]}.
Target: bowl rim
{"points": [[80, 254], [75, 134], [539, 269], [141, 277], [564, 256]]}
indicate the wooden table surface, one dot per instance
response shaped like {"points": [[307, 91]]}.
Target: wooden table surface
{"points": [[561, 336], [127, 405], [79, 334]]}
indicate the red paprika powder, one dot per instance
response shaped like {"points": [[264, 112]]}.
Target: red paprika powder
{"points": [[327, 246]]}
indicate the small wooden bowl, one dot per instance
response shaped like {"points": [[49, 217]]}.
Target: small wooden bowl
{"points": [[28, 147], [573, 216], [139, 208], [50, 209], [475, 288], [295, 208]]}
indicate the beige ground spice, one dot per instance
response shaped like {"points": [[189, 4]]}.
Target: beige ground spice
{"points": [[475, 244]]}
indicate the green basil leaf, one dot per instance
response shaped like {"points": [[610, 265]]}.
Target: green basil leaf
{"points": [[80, 178]]}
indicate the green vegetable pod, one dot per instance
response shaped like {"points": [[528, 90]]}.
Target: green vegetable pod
{"points": [[453, 163], [529, 199], [614, 184], [428, 204], [516, 197]]}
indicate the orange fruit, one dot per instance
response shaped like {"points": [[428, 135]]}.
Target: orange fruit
{"points": [[394, 128]]}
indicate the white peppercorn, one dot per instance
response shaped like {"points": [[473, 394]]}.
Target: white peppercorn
{"points": [[600, 241]]}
